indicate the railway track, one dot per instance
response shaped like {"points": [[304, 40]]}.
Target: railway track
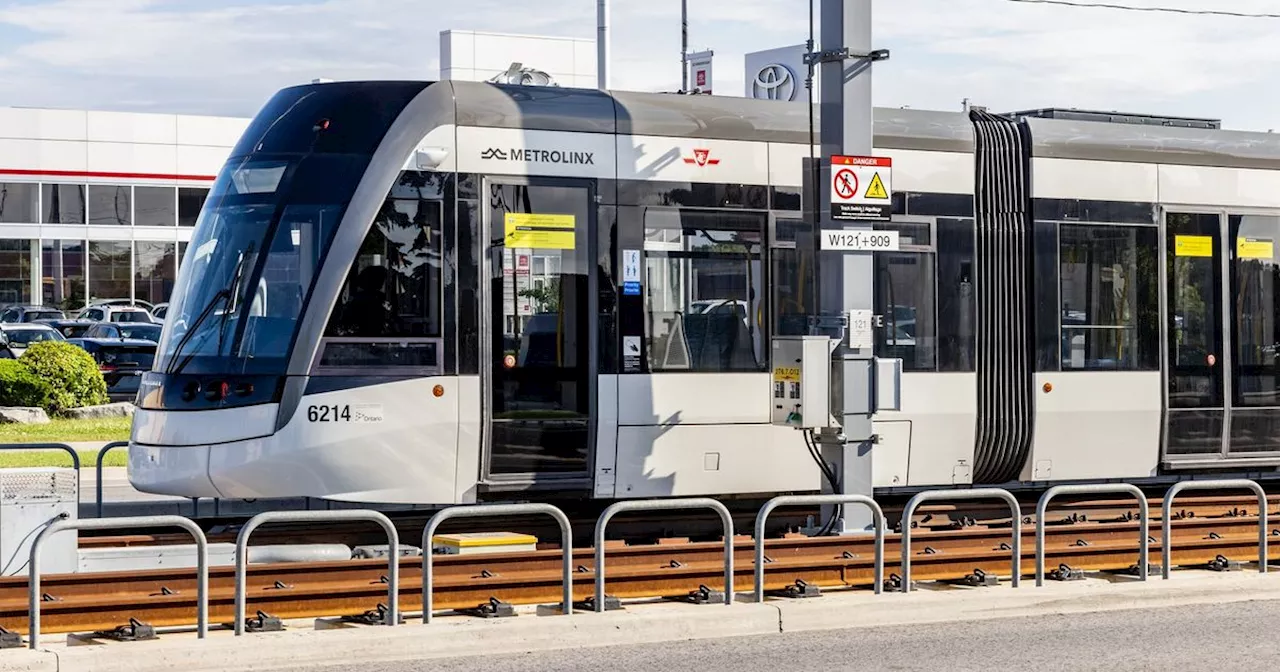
{"points": [[103, 601]]}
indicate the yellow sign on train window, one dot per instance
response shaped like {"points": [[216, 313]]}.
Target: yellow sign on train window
{"points": [[784, 374], [539, 232], [1193, 246], [1255, 248]]}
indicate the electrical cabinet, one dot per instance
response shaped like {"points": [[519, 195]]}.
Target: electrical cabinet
{"points": [[801, 390]]}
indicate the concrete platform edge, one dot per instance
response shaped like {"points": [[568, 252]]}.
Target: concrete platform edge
{"points": [[639, 624]]}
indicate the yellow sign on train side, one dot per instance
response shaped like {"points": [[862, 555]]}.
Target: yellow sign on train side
{"points": [[1255, 248], [538, 231], [1193, 246]]}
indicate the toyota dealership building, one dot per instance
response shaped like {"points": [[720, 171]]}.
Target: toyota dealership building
{"points": [[100, 205]]}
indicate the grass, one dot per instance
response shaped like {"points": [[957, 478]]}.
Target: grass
{"points": [[64, 431]]}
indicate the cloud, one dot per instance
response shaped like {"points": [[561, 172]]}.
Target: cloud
{"points": [[227, 57]]}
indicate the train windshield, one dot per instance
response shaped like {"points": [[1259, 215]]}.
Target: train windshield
{"points": [[266, 227]]}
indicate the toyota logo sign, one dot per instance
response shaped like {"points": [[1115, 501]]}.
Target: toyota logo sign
{"points": [[774, 82]]}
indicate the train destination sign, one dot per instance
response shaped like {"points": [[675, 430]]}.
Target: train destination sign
{"points": [[861, 188]]}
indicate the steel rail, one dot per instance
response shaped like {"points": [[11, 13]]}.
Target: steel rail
{"points": [[356, 587]]}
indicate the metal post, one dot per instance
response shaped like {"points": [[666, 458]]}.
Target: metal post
{"points": [[1098, 489], [799, 500], [684, 46], [845, 279], [1166, 512], [483, 510], [976, 493], [393, 552], [202, 562], [101, 454], [602, 44], [658, 505]]}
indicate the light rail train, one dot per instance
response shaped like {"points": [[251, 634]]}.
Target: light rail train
{"points": [[450, 292]]}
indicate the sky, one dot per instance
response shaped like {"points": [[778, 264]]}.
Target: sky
{"points": [[226, 57]]}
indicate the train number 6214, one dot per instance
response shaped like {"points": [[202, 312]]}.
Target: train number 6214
{"points": [[335, 413]]}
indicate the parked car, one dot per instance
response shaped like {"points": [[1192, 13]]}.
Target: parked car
{"points": [[160, 311], [122, 361], [70, 328], [20, 314], [134, 303], [123, 331], [19, 336], [114, 313]]}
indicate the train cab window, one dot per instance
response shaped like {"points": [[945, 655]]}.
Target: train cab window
{"points": [[704, 290], [1108, 302], [389, 314]]}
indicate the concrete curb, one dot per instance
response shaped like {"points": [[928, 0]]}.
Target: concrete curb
{"points": [[638, 624]]}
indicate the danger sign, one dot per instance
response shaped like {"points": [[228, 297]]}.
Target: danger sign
{"points": [[861, 188]]}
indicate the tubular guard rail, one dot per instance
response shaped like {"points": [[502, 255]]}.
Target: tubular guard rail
{"points": [[1099, 489], [877, 516], [659, 505], [477, 511], [976, 493], [1166, 525], [202, 562], [98, 469], [393, 552]]}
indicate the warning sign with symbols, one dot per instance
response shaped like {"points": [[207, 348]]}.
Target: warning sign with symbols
{"points": [[861, 188]]}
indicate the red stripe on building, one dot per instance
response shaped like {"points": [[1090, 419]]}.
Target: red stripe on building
{"points": [[102, 174]]}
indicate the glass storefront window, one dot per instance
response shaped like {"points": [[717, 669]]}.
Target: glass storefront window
{"points": [[155, 206], [155, 271], [63, 203], [110, 274], [15, 272], [19, 202], [190, 201], [110, 205], [63, 269]]}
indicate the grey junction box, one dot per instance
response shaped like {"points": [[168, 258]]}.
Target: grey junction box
{"points": [[801, 390], [31, 499]]}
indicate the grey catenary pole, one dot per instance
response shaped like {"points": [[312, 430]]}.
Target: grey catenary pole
{"points": [[846, 279], [602, 44]]}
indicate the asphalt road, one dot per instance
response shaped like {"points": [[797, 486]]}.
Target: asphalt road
{"points": [[1221, 638]]}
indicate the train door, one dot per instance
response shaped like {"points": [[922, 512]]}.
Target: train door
{"points": [[539, 382], [1222, 296]]}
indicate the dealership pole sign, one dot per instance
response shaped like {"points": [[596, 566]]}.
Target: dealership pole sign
{"points": [[700, 71]]}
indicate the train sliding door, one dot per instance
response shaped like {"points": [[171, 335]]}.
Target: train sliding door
{"points": [[1222, 336], [539, 380]]}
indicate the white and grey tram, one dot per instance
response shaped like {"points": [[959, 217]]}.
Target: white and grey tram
{"points": [[446, 292]]}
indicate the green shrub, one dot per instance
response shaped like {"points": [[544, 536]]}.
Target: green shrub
{"points": [[71, 373], [20, 387]]}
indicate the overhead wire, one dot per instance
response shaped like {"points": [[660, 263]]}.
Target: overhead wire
{"points": [[1159, 10]]}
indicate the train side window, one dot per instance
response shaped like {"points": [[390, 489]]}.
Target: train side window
{"points": [[1108, 305], [905, 298], [704, 299], [956, 344], [389, 312]]}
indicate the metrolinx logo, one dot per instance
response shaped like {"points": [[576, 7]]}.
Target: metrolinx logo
{"points": [[560, 156]]}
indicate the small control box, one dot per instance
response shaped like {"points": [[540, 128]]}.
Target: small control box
{"points": [[801, 390]]}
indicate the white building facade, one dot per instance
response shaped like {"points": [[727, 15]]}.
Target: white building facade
{"points": [[100, 205]]}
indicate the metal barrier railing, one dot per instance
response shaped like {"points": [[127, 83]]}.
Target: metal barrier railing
{"points": [[659, 505], [1094, 489], [393, 552], [75, 456], [202, 562], [481, 510], [1166, 523], [976, 493], [877, 516], [98, 468]]}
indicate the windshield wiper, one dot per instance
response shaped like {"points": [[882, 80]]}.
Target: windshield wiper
{"points": [[224, 294]]}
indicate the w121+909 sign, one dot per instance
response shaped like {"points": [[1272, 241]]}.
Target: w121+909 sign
{"points": [[861, 188]]}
